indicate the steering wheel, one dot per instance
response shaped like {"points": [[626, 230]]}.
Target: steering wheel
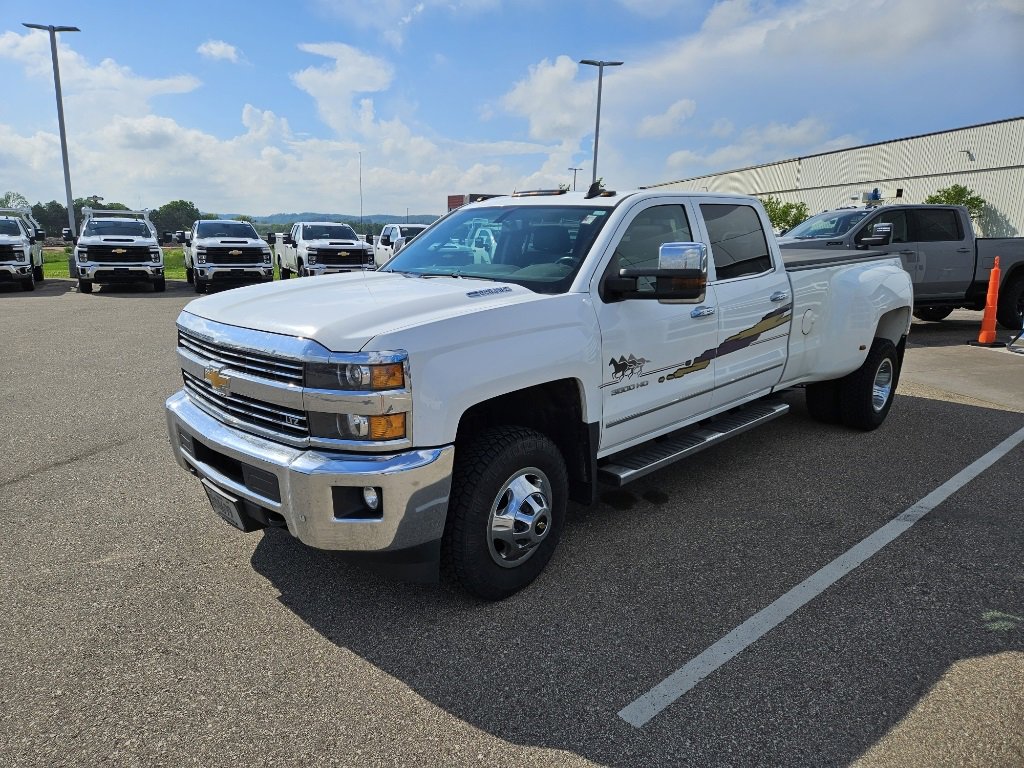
{"points": [[567, 261]]}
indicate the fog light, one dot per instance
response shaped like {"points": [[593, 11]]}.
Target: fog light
{"points": [[371, 497]]}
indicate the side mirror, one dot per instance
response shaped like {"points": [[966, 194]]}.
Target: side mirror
{"points": [[385, 240], [40, 234], [881, 235], [680, 278], [188, 238], [167, 238], [288, 239], [66, 235], [31, 239]]}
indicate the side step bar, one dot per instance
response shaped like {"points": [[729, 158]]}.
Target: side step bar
{"points": [[634, 463]]}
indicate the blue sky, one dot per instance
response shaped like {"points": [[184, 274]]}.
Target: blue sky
{"points": [[258, 107]]}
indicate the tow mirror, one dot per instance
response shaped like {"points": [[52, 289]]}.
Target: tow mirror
{"points": [[40, 234], [66, 235], [680, 278], [288, 239], [881, 235]]}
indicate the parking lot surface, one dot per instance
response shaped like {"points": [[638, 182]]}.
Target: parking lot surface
{"points": [[137, 629]]}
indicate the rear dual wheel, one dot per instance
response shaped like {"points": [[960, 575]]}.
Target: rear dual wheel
{"points": [[862, 399], [1010, 311]]}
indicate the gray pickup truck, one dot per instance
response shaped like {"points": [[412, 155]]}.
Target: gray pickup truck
{"points": [[949, 266]]}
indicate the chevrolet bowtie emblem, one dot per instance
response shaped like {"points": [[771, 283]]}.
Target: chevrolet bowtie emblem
{"points": [[235, 252], [343, 253], [219, 381], [120, 250]]}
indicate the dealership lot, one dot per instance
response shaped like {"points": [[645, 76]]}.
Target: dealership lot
{"points": [[137, 629]]}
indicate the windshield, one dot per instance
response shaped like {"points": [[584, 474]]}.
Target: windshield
{"points": [[97, 227], [828, 224], [9, 227], [328, 232], [411, 231], [236, 229], [538, 247]]}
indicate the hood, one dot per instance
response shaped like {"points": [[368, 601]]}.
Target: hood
{"points": [[229, 241], [116, 240], [345, 311], [12, 240], [335, 242]]}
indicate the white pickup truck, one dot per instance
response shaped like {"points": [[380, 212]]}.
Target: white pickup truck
{"points": [[393, 238], [21, 248], [321, 248], [225, 252], [444, 409], [116, 247]]}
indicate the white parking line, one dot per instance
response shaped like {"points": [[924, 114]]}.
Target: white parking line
{"points": [[639, 712]]}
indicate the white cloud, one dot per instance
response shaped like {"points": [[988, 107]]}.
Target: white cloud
{"points": [[333, 86], [650, 8], [669, 121], [218, 49], [556, 106], [392, 19]]}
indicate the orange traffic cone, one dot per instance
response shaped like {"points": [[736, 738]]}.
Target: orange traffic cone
{"points": [[987, 335]]}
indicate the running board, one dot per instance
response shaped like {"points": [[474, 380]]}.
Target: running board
{"points": [[634, 463]]}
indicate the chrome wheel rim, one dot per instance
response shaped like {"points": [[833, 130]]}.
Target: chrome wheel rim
{"points": [[520, 518], [881, 389]]}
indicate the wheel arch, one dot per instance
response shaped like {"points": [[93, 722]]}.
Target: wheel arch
{"points": [[555, 409]]}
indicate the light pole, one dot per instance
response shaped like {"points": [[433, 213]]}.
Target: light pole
{"points": [[600, 77], [60, 115], [361, 192], [574, 177]]}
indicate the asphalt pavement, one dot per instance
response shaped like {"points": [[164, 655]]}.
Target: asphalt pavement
{"points": [[137, 629]]}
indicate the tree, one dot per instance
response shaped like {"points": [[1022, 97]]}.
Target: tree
{"points": [[52, 217], [13, 200], [784, 216], [958, 194], [174, 216]]}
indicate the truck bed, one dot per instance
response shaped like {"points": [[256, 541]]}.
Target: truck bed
{"points": [[797, 259]]}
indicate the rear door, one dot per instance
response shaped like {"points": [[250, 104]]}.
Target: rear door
{"points": [[945, 253], [754, 303]]}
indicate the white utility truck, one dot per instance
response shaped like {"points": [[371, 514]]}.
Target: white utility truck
{"points": [[321, 248], [21, 248], [444, 409], [225, 252], [116, 247], [393, 238]]}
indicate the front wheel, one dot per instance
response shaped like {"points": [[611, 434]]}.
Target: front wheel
{"points": [[1010, 312], [866, 395], [190, 275], [932, 314], [200, 285], [159, 285], [40, 275], [85, 286], [29, 283], [509, 493]]}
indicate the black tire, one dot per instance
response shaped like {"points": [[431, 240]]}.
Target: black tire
{"points": [[200, 285], [85, 286], [40, 275], [472, 553], [29, 283], [866, 395], [1010, 311], [823, 401], [932, 314], [190, 275], [300, 268], [159, 285], [285, 272]]}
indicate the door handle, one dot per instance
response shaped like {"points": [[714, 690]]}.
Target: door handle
{"points": [[702, 311], [907, 253], [963, 250], [779, 296]]}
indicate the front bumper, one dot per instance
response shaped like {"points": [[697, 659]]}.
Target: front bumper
{"points": [[16, 271], [116, 273], [315, 489], [330, 269], [247, 273]]}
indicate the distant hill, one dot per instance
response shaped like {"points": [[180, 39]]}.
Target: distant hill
{"points": [[376, 218]]}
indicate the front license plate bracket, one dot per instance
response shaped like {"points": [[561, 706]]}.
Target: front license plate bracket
{"points": [[229, 508]]}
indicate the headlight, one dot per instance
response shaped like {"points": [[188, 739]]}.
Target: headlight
{"points": [[348, 426], [201, 255], [83, 254], [154, 255], [266, 256], [311, 257], [355, 376]]}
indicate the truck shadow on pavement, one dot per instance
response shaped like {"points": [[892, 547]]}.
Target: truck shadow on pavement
{"points": [[659, 571]]}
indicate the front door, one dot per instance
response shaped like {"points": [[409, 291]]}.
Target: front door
{"points": [[659, 364]]}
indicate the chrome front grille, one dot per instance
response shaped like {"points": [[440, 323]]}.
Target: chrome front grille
{"points": [[243, 360], [265, 416]]}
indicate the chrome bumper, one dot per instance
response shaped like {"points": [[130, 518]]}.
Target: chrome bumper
{"points": [[330, 269], [17, 270], [413, 486], [210, 272]]}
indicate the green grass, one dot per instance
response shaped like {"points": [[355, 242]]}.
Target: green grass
{"points": [[55, 263]]}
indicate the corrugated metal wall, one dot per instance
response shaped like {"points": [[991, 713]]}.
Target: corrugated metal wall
{"points": [[988, 159]]}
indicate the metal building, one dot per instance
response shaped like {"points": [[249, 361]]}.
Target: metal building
{"points": [[986, 158]]}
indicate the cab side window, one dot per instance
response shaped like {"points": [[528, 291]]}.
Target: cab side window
{"points": [[738, 244], [638, 248], [937, 225]]}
